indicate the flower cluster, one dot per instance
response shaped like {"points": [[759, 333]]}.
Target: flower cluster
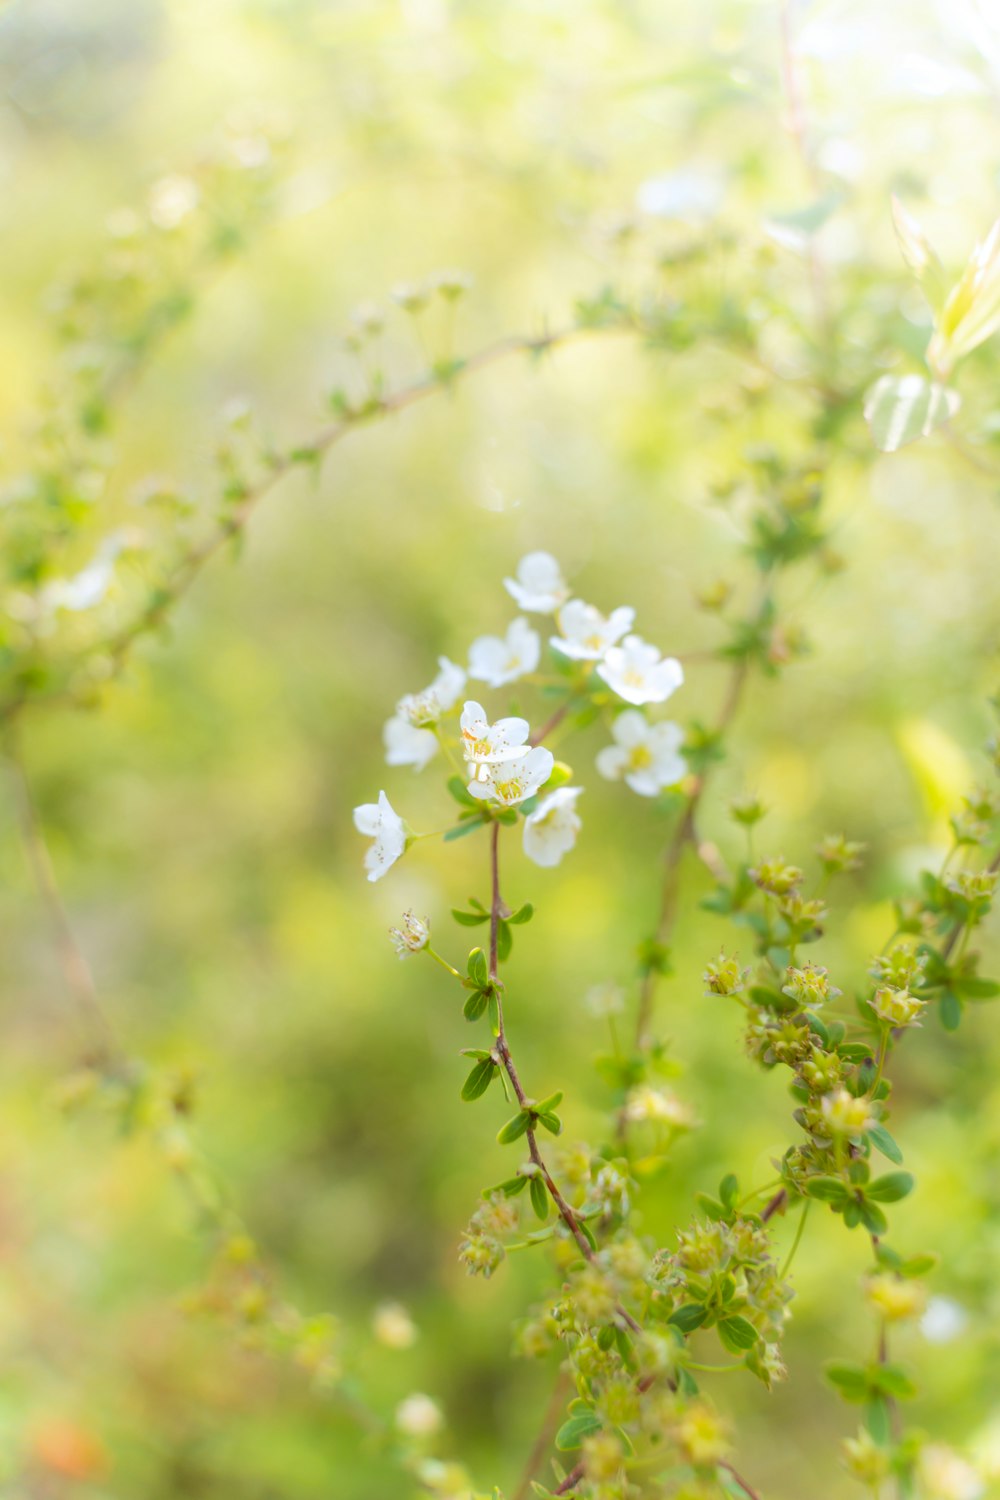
{"points": [[508, 769]]}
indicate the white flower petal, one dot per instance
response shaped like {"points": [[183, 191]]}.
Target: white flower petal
{"points": [[550, 831], [405, 745], [586, 633], [539, 585]]}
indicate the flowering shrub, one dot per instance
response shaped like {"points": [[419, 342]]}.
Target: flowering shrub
{"points": [[717, 442]]}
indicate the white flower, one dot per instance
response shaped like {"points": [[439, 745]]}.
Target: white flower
{"points": [[539, 585], [605, 999], [943, 1321], [393, 1326], [419, 1416], [171, 200], [406, 745], [378, 821], [422, 709], [637, 672], [586, 633], [659, 1106], [550, 831], [511, 782], [412, 936], [501, 659], [485, 745], [947, 1476], [644, 755]]}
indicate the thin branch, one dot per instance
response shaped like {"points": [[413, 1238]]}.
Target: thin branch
{"points": [[570, 1218], [746, 1487], [571, 1481], [76, 970]]}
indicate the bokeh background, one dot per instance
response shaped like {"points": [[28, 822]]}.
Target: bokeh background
{"points": [[199, 817]]}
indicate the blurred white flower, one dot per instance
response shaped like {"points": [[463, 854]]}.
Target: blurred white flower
{"points": [[586, 633], [681, 195], [948, 1476], [644, 756], [539, 586], [406, 745], [605, 999], [419, 1416], [379, 822], [393, 1326], [659, 1106], [412, 936], [511, 782], [550, 831], [485, 745], [427, 707], [637, 672], [943, 1321], [171, 200], [497, 660]]}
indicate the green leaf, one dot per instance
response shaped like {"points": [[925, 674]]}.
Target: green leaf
{"points": [[850, 1380], [461, 829], [494, 1005], [479, 1079], [920, 255], [878, 1420], [872, 1218], [827, 1190], [890, 1188], [514, 1128], [974, 988], [523, 914], [461, 793], [950, 1011], [469, 918], [478, 971], [551, 1122], [737, 1334], [539, 1198], [549, 1103], [475, 1005], [891, 1380], [729, 1189], [505, 942], [883, 1141], [689, 1317], [900, 409], [572, 1433], [919, 1265]]}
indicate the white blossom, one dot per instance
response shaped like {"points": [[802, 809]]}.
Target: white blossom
{"points": [[419, 1416], [427, 707], [171, 200], [550, 831], [586, 633], [637, 672], [539, 586], [658, 1106], [943, 1321], [405, 745], [393, 1326], [412, 936], [380, 822], [498, 659], [645, 756], [510, 782], [948, 1476], [485, 745]]}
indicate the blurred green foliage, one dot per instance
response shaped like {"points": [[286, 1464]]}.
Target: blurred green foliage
{"points": [[199, 814]]}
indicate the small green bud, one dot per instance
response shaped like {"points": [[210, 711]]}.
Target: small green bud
{"points": [[775, 876]]}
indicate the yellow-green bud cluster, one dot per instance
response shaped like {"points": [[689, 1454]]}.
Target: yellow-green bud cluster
{"points": [[809, 986], [897, 1008]]}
